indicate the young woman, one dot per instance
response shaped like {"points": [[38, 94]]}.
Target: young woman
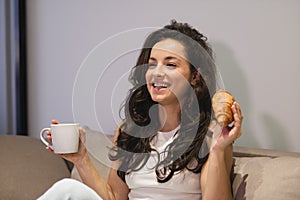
{"points": [[161, 151]]}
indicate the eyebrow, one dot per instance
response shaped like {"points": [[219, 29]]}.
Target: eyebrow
{"points": [[167, 58]]}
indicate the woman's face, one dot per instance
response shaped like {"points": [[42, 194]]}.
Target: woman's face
{"points": [[168, 74]]}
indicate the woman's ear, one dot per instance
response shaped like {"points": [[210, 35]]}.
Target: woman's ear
{"points": [[195, 77]]}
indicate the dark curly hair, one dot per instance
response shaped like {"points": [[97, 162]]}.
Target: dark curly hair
{"points": [[141, 115]]}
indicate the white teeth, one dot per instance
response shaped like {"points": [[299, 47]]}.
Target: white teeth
{"points": [[164, 85]]}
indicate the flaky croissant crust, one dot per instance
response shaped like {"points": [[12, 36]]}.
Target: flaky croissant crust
{"points": [[221, 103]]}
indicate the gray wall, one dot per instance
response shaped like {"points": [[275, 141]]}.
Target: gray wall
{"points": [[78, 50]]}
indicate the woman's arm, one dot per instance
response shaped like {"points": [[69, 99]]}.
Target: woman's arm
{"points": [[215, 174]]}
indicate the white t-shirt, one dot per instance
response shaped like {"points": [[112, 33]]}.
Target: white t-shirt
{"points": [[143, 184]]}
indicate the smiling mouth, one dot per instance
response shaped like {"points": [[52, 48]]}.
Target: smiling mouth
{"points": [[159, 86]]}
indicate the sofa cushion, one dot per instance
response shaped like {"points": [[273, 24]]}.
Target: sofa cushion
{"points": [[255, 177], [27, 169], [267, 178]]}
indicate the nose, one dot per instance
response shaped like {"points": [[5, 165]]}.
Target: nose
{"points": [[159, 71]]}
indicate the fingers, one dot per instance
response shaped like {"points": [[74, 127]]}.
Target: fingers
{"points": [[49, 137], [82, 134], [54, 121], [237, 113], [49, 149], [238, 118], [81, 130]]}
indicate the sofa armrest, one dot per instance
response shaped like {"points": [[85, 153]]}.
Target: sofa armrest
{"points": [[265, 174], [27, 169], [239, 151]]}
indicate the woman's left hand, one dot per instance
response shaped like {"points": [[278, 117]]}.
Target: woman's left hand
{"points": [[229, 134]]}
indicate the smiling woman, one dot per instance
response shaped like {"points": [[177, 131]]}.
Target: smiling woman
{"points": [[161, 150]]}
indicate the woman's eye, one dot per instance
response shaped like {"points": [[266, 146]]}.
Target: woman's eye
{"points": [[151, 65], [171, 65]]}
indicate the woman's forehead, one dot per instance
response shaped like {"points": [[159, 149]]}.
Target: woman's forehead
{"points": [[169, 46]]}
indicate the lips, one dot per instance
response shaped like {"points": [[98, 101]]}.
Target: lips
{"points": [[160, 85]]}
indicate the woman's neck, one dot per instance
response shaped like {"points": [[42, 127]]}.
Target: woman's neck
{"points": [[169, 117]]}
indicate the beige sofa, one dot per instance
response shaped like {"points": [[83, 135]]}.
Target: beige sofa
{"points": [[27, 170]]}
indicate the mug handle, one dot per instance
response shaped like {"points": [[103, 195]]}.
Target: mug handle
{"points": [[45, 141]]}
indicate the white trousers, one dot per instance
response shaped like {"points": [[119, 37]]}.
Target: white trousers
{"points": [[69, 189]]}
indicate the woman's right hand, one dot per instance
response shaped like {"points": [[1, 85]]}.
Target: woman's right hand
{"points": [[72, 157]]}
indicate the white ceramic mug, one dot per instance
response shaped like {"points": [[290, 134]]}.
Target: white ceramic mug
{"points": [[65, 137]]}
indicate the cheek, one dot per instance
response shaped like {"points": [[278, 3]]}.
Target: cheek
{"points": [[147, 76], [183, 77], [183, 84], [148, 79]]}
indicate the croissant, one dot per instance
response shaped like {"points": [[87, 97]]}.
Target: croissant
{"points": [[221, 103]]}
